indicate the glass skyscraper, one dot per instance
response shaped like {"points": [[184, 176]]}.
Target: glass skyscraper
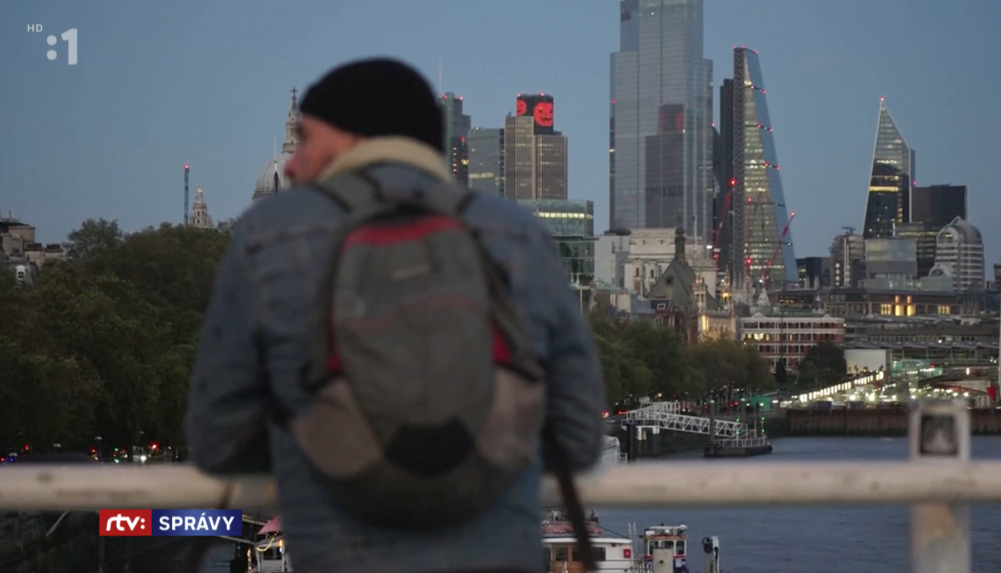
{"points": [[486, 160], [888, 201], [661, 140], [456, 129], [762, 245]]}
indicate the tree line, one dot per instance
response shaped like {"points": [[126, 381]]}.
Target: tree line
{"points": [[102, 343], [641, 359]]}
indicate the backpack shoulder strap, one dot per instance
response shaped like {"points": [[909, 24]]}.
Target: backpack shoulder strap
{"points": [[355, 191], [446, 197]]}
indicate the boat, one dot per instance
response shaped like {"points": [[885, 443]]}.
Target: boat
{"points": [[612, 552], [756, 444], [662, 548], [665, 548]]}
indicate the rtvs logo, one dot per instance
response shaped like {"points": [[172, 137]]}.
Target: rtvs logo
{"points": [[69, 36]]}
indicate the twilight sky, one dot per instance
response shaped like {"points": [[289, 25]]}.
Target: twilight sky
{"points": [[160, 84]]}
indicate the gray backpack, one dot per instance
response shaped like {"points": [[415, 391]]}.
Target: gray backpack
{"points": [[427, 398]]}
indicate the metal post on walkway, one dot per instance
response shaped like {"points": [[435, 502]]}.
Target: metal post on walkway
{"points": [[939, 432]]}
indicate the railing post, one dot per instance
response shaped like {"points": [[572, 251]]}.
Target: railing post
{"points": [[939, 432]]}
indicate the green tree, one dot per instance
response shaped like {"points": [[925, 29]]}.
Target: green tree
{"points": [[727, 364], [660, 351], [103, 342], [809, 375], [830, 362], [781, 376]]}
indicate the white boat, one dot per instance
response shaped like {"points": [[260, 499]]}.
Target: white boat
{"points": [[665, 548], [612, 552]]}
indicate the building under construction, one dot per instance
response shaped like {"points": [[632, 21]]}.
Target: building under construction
{"points": [[752, 239]]}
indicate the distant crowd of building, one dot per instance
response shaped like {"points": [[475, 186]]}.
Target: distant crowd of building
{"points": [[20, 253]]}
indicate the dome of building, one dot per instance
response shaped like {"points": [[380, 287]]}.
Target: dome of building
{"points": [[962, 229], [271, 179]]}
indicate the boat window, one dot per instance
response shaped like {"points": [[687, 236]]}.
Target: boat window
{"points": [[547, 559], [562, 554], [599, 554], [681, 548]]}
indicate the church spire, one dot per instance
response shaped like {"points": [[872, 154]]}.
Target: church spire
{"points": [[199, 216], [679, 245], [290, 123]]}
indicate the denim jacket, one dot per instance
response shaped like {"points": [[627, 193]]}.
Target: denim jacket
{"points": [[256, 341]]}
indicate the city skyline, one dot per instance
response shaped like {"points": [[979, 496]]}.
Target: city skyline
{"points": [[821, 96]]}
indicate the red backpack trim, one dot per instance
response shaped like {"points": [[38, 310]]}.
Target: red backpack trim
{"points": [[412, 231]]}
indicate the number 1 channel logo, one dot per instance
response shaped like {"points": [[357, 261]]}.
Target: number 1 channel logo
{"points": [[69, 36]]}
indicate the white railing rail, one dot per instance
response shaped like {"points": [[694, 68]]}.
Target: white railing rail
{"points": [[938, 481], [684, 423]]}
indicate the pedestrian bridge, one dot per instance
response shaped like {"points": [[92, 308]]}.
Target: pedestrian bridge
{"points": [[667, 416]]}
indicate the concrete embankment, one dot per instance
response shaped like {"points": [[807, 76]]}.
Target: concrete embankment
{"points": [[866, 422]]}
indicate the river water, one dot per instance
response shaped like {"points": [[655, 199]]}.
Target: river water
{"points": [[778, 540]]}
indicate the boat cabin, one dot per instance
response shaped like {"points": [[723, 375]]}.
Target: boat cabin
{"points": [[667, 542], [672, 537], [560, 553]]}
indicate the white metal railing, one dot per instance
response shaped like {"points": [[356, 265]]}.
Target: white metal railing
{"points": [[938, 481], [683, 423], [665, 407], [749, 441]]}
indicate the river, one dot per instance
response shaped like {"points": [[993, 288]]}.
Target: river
{"points": [[780, 540]]}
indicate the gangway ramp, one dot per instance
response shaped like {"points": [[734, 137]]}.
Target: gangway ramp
{"points": [[667, 416]]}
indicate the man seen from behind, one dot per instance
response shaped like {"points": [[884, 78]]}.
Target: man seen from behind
{"points": [[390, 347]]}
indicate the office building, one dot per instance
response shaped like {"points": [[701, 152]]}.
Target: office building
{"points": [[486, 160], [939, 204], [571, 222], [814, 272], [535, 154], [758, 220], [932, 208], [893, 175], [456, 130], [661, 138], [959, 253], [847, 260]]}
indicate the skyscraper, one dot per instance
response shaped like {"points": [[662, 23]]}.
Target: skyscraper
{"points": [[938, 205], [486, 160], [931, 209], [660, 159], [756, 220], [535, 154], [456, 130], [889, 195]]}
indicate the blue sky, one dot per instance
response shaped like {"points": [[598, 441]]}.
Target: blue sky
{"points": [[160, 84]]}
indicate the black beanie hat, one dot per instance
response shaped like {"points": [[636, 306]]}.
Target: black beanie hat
{"points": [[377, 97]]}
